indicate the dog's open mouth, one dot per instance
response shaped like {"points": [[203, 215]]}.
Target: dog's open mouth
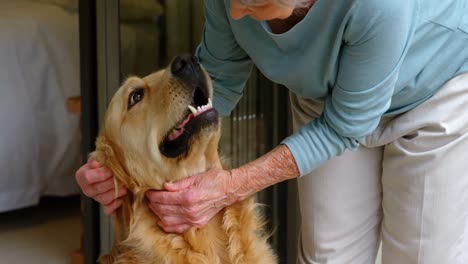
{"points": [[200, 113], [195, 111]]}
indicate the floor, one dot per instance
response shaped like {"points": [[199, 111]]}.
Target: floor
{"points": [[46, 234]]}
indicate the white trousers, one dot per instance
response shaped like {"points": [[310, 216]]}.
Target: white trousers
{"points": [[406, 185]]}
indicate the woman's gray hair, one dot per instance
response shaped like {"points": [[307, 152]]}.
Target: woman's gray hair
{"points": [[288, 3]]}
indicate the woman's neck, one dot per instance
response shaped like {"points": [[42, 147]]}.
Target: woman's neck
{"points": [[279, 26]]}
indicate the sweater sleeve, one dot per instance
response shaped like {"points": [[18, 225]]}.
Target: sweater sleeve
{"points": [[227, 64], [374, 44]]}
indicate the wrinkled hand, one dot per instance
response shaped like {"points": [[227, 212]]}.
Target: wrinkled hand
{"points": [[97, 182], [192, 201]]}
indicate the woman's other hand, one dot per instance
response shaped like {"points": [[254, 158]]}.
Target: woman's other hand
{"points": [[97, 183]]}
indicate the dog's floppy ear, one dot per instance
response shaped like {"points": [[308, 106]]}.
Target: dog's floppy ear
{"points": [[109, 155]]}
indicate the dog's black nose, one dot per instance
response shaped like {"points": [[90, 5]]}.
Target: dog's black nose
{"points": [[184, 63]]}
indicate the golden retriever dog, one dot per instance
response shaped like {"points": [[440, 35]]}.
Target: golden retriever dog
{"points": [[162, 128]]}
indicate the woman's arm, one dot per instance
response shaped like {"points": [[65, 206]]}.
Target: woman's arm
{"points": [[276, 166], [195, 200], [226, 62], [373, 46]]}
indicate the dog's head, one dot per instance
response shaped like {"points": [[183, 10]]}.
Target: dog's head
{"points": [[161, 127]]}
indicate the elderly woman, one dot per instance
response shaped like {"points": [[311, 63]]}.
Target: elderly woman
{"points": [[379, 91]]}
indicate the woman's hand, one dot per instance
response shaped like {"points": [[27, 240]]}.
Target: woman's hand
{"points": [[192, 201], [97, 182], [195, 200]]}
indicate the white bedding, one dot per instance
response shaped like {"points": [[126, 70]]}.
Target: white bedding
{"points": [[39, 70]]}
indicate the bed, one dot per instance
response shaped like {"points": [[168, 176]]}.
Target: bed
{"points": [[39, 70]]}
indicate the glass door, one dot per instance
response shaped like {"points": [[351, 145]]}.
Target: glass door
{"points": [[137, 37]]}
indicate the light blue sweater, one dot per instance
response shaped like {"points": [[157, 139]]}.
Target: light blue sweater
{"points": [[363, 58]]}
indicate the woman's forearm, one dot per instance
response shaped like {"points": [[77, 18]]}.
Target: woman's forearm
{"points": [[275, 166]]}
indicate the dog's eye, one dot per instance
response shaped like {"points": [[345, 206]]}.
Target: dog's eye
{"points": [[135, 97]]}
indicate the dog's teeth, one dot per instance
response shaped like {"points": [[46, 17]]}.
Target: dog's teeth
{"points": [[192, 109], [200, 109], [209, 102]]}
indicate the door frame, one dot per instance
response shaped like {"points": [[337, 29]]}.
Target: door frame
{"points": [[100, 78], [89, 122]]}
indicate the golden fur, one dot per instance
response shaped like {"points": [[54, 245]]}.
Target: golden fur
{"points": [[129, 144]]}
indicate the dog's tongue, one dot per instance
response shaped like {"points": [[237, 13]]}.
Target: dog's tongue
{"points": [[175, 134], [179, 129]]}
